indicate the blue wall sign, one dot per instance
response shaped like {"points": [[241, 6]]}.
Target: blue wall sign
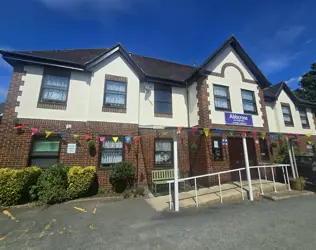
{"points": [[238, 119]]}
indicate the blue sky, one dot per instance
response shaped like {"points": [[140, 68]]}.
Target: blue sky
{"points": [[278, 35]]}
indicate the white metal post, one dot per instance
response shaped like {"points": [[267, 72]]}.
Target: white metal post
{"points": [[294, 159], [244, 142], [291, 158], [175, 174]]}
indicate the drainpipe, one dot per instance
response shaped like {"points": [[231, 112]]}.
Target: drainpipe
{"points": [[189, 125], [244, 142]]}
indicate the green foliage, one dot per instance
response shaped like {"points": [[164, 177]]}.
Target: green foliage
{"points": [[52, 184], [80, 181], [16, 184], [122, 176], [283, 152], [307, 85]]}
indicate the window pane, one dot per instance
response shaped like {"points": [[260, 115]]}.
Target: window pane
{"points": [[302, 113], [162, 95], [287, 118], [115, 99], [163, 107], [247, 95], [56, 81], [163, 146], [115, 86], [46, 146], [54, 95], [286, 110], [163, 158], [304, 121], [110, 156], [110, 144], [220, 91], [221, 103], [249, 107]]}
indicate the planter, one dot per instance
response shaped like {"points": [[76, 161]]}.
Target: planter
{"points": [[120, 187], [297, 184]]}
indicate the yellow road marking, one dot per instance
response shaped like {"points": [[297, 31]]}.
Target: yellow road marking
{"points": [[94, 210], [91, 227], [80, 209], [5, 236], [47, 227], [7, 213]]}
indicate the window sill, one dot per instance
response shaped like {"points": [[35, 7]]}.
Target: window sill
{"points": [[52, 105], [163, 115], [114, 109], [289, 125], [306, 127], [222, 109]]}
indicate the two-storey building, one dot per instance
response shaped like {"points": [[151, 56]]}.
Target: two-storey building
{"points": [[129, 106]]}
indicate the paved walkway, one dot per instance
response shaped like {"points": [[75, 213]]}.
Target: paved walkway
{"points": [[233, 191], [134, 225]]}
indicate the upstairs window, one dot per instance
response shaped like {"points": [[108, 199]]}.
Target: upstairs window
{"points": [[249, 102], [163, 99], [287, 115], [115, 94], [55, 85], [221, 98], [112, 152], [304, 118], [45, 151]]}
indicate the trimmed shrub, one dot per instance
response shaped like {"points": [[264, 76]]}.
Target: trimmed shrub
{"points": [[15, 185], [80, 181], [52, 184], [122, 176]]}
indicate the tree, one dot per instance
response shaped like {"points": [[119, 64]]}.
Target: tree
{"points": [[307, 85]]}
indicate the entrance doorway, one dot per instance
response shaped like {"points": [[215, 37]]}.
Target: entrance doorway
{"points": [[236, 154]]}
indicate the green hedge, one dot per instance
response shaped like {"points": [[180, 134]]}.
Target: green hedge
{"points": [[16, 184], [80, 181]]}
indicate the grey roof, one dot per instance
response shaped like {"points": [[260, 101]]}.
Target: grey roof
{"points": [[272, 93], [150, 66]]}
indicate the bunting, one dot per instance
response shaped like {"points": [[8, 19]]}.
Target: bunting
{"points": [[310, 142], [47, 133], [115, 139], [88, 137], [34, 131], [137, 138], [179, 129], [218, 131], [231, 132], [280, 135], [253, 133], [102, 139], [62, 135], [297, 136], [263, 135], [76, 136], [308, 135], [206, 130], [194, 129], [163, 133], [244, 132], [272, 136], [127, 139]]}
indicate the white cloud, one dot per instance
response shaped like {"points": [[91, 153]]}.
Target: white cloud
{"points": [[293, 80], [277, 62]]}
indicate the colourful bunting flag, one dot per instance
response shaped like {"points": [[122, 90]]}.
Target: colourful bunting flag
{"points": [[297, 136], [231, 132], [62, 135], [218, 131], [128, 139], [163, 133], [179, 129], [48, 133], [308, 135], [34, 131], [263, 135], [102, 138], [244, 132], [18, 126], [137, 138], [115, 139], [280, 135], [206, 130], [272, 136], [309, 142], [253, 133], [76, 136], [194, 129], [88, 137]]}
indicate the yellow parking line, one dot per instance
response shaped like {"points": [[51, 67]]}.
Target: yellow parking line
{"points": [[5, 236], [94, 210], [7, 213], [47, 227], [80, 209]]}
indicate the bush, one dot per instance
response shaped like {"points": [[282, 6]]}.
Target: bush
{"points": [[122, 176], [15, 185], [80, 181], [52, 184]]}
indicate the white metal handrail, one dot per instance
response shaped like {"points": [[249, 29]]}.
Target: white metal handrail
{"points": [[218, 174]]}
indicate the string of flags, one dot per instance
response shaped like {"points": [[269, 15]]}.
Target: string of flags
{"points": [[206, 131]]}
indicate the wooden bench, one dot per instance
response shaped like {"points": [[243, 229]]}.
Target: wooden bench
{"points": [[160, 177]]}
